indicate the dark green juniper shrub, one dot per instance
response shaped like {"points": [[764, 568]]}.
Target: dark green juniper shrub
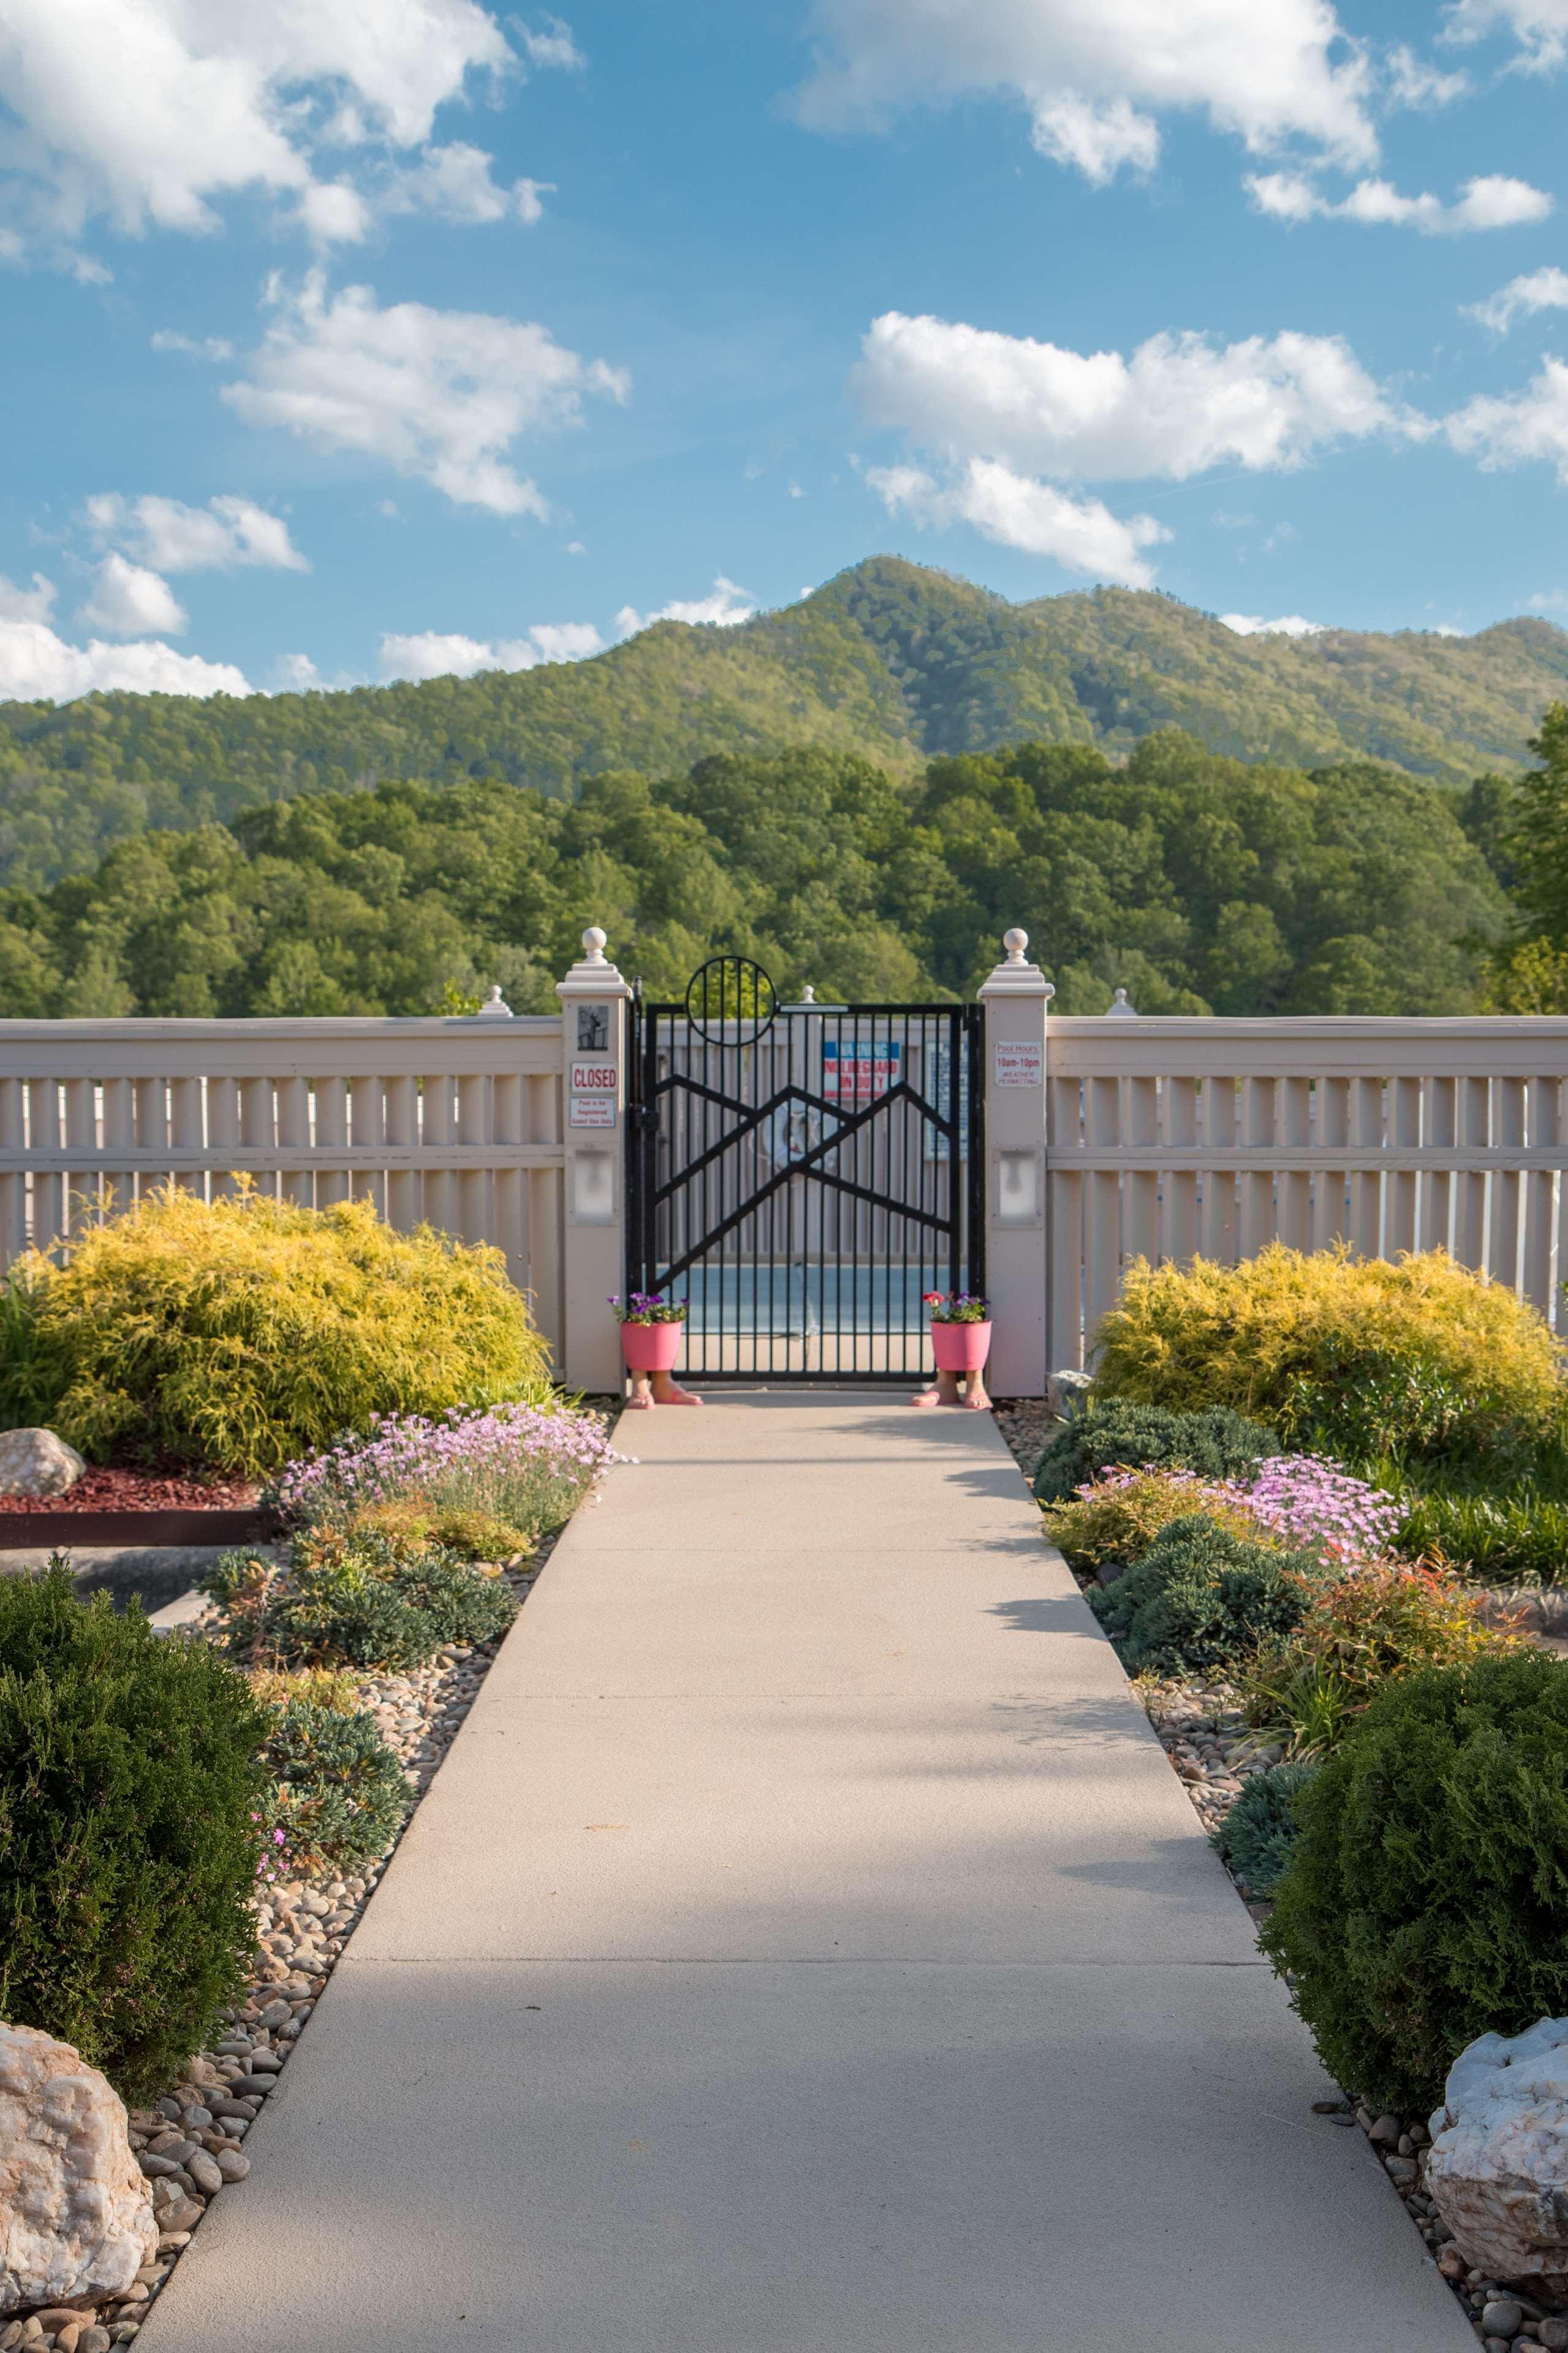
{"points": [[1216, 1444], [1202, 1597], [132, 1808], [360, 1598], [1426, 1900], [342, 1794], [1257, 1837]]}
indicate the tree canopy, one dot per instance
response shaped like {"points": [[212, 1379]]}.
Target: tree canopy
{"points": [[1197, 881], [892, 661]]}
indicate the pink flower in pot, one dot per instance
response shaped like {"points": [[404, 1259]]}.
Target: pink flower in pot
{"points": [[652, 1336], [961, 1342]]}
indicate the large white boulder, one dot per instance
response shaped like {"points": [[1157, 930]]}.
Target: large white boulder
{"points": [[76, 2215], [1497, 2167], [36, 1463]]}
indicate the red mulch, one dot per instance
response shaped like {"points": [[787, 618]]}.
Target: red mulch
{"points": [[139, 1490]]}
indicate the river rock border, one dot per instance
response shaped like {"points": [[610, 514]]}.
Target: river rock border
{"points": [[191, 2142], [1201, 1729]]}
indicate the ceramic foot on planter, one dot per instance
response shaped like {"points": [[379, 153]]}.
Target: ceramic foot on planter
{"points": [[944, 1393], [667, 1392], [974, 1396]]}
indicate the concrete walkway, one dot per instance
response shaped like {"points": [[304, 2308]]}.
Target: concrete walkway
{"points": [[805, 1948]]}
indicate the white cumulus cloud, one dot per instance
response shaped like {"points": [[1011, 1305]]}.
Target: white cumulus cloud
{"points": [[36, 666], [1539, 289], [1017, 510], [1414, 82], [1540, 26], [438, 395], [1095, 74], [1518, 428], [456, 183], [1179, 404], [550, 43], [1288, 625], [128, 601], [1099, 139], [34, 604], [333, 212], [727, 605], [226, 535], [147, 114], [1492, 201], [430, 653]]}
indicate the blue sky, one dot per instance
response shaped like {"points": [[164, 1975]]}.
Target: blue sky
{"points": [[353, 339]]}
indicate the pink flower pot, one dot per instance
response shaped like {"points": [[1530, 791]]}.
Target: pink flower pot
{"points": [[651, 1348], [960, 1347]]}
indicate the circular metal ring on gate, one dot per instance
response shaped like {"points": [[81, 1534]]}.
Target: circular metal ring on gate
{"points": [[730, 1001], [793, 1130]]}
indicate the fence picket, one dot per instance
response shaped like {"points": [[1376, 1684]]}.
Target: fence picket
{"points": [[1544, 1113]]}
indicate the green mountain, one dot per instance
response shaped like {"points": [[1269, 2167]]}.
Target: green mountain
{"points": [[890, 660]]}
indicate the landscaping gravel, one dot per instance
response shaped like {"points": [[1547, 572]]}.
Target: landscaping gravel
{"points": [[191, 2142], [1026, 1423]]}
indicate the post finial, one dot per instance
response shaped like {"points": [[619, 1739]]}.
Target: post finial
{"points": [[1015, 976], [808, 995], [592, 975], [1119, 1005], [495, 1006]]}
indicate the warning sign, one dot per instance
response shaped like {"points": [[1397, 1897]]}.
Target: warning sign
{"points": [[856, 1073], [594, 1090]]}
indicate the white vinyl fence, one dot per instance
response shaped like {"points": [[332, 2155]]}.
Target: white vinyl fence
{"points": [[1154, 1137], [457, 1122], [1166, 1137]]}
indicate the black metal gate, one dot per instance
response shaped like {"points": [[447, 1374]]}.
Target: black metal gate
{"points": [[802, 1174]]}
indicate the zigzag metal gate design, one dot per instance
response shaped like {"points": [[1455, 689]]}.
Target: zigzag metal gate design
{"points": [[802, 1174]]}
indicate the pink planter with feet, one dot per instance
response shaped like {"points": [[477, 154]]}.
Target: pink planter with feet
{"points": [[961, 1347], [653, 1347]]}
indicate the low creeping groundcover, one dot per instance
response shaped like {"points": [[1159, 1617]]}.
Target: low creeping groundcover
{"points": [[513, 1463], [1312, 1502], [1295, 1500]]}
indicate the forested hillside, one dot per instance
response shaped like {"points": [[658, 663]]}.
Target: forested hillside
{"points": [[889, 661], [1199, 882]]}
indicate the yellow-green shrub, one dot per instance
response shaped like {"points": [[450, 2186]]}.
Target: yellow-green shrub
{"points": [[1118, 1517], [1418, 1358], [252, 1331]]}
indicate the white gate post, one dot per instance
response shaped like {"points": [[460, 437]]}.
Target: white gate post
{"points": [[594, 1047], [1015, 997]]}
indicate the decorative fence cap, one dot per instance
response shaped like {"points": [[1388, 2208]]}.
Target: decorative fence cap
{"points": [[594, 971], [495, 1007], [1017, 976], [1119, 1006]]}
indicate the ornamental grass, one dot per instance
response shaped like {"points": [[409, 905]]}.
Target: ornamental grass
{"points": [[1355, 1636]]}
